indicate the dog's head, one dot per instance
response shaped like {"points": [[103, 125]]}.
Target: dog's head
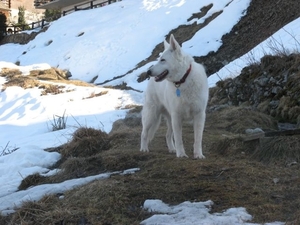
{"points": [[168, 62]]}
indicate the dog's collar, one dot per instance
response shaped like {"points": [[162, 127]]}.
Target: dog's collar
{"points": [[182, 80]]}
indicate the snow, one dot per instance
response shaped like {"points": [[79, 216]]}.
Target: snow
{"points": [[286, 40], [106, 42], [194, 213]]}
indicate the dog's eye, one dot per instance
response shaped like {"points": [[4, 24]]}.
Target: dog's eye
{"points": [[162, 60]]}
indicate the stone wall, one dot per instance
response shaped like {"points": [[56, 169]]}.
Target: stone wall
{"points": [[21, 38], [271, 86]]}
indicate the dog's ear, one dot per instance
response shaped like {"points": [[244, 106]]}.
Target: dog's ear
{"points": [[166, 44], [173, 43]]}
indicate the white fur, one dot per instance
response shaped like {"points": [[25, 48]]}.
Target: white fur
{"points": [[161, 99]]}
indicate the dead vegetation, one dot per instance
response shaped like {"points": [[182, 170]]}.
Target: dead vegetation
{"points": [[259, 175], [43, 79], [279, 148]]}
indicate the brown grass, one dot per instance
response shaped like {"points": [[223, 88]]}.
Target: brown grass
{"points": [[230, 175], [93, 95], [37, 78], [86, 142], [238, 119], [281, 148], [32, 180]]}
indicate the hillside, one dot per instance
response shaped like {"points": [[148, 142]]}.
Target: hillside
{"points": [[255, 171], [263, 19]]}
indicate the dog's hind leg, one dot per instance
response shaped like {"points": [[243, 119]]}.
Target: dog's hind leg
{"points": [[177, 129], [170, 134], [150, 121], [199, 121]]}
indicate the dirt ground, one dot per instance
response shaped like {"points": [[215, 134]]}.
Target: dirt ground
{"points": [[261, 175]]}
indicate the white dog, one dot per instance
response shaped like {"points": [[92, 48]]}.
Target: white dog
{"points": [[178, 90]]}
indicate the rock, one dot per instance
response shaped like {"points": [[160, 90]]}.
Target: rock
{"points": [[272, 87], [276, 180], [254, 131], [261, 81], [276, 90], [274, 104]]}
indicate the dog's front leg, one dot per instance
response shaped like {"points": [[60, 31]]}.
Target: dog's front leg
{"points": [[177, 129], [199, 121]]}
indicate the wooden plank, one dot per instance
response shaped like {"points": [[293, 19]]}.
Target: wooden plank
{"points": [[254, 136], [282, 133]]}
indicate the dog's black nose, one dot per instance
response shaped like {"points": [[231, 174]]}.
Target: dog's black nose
{"points": [[149, 72]]}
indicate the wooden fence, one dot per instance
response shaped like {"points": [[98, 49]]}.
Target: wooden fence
{"points": [[13, 29], [40, 24], [90, 5]]}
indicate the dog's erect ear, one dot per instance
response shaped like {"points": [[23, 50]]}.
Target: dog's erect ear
{"points": [[173, 43], [166, 44]]}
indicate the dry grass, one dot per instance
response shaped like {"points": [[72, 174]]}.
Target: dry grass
{"points": [[86, 142], [93, 95], [281, 148], [228, 182], [238, 119], [39, 78], [230, 176], [32, 180]]}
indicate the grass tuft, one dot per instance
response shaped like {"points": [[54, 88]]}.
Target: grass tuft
{"points": [[86, 142], [59, 122], [281, 148]]}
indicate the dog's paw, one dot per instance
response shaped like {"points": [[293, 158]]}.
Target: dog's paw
{"points": [[172, 150], [144, 150], [181, 155], [199, 156]]}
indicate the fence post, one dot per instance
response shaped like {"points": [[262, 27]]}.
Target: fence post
{"points": [[75, 8], [109, 1], [43, 22], [32, 26], [64, 13], [92, 5]]}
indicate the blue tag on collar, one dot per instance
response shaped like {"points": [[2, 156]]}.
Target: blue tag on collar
{"points": [[178, 92]]}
